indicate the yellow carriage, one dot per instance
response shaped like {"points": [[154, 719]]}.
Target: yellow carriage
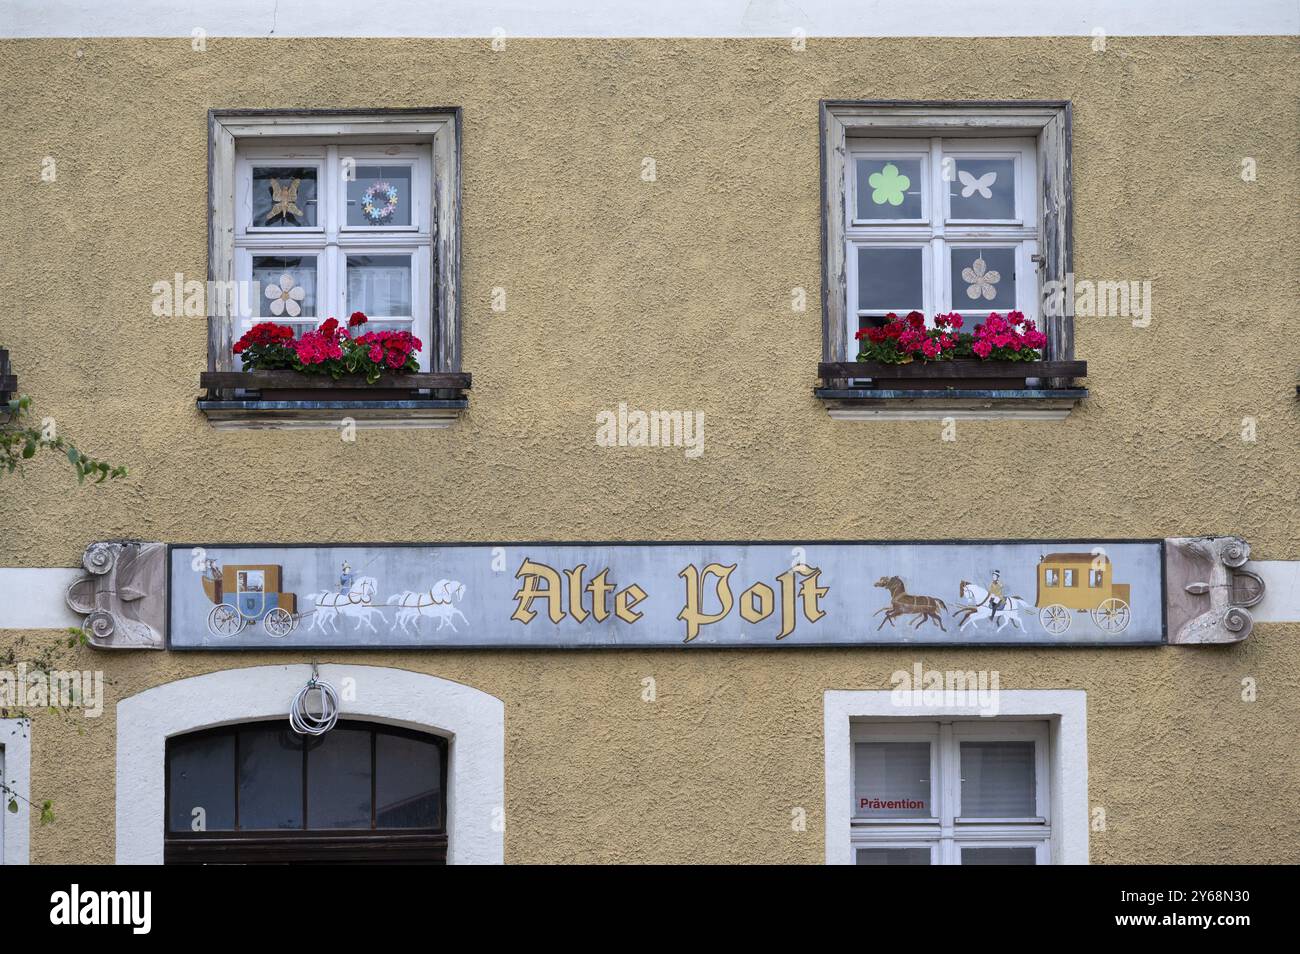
{"points": [[1081, 582]]}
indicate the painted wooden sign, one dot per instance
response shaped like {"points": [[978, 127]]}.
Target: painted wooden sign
{"points": [[593, 595]]}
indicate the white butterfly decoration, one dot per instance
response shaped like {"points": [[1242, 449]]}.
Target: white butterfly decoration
{"points": [[970, 185]]}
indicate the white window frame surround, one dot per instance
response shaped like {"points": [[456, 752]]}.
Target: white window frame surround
{"points": [[848, 125], [1064, 711], [16, 763], [315, 136], [936, 234], [471, 720]]}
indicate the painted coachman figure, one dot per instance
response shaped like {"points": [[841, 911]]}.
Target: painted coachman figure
{"points": [[997, 596]]}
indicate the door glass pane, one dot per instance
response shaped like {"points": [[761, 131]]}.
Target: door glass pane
{"points": [[380, 285], [997, 780], [998, 856], [893, 856], [982, 189], [338, 779], [287, 287], [889, 279], [408, 782], [270, 778], [284, 196], [202, 777], [889, 188], [892, 779], [983, 279], [380, 196]]}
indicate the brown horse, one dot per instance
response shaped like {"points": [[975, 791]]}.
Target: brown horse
{"points": [[903, 603]]}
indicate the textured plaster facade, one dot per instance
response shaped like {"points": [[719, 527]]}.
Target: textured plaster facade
{"points": [[676, 294]]}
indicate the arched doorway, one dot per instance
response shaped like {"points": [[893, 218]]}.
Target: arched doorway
{"points": [[471, 723], [259, 793]]}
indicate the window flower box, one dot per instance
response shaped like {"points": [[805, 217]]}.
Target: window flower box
{"points": [[954, 375], [329, 377]]}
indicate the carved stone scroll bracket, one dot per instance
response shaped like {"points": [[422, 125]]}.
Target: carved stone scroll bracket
{"points": [[124, 595], [1207, 594]]}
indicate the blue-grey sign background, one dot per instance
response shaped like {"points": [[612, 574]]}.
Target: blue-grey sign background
{"points": [[474, 609]]}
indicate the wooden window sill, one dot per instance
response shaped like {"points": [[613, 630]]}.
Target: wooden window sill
{"points": [[284, 399], [963, 390]]}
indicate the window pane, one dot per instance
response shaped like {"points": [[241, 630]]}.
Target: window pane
{"points": [[202, 777], [892, 779], [380, 285], [270, 778], [983, 189], [380, 196], [338, 779], [284, 196], [997, 780], [998, 856], [889, 279], [893, 856], [983, 278], [408, 782], [287, 287], [889, 188]]}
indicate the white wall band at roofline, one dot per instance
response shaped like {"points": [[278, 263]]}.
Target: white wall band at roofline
{"points": [[33, 597], [473, 720], [637, 18]]}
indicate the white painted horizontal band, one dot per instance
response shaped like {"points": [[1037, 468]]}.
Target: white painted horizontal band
{"points": [[1281, 602], [638, 18], [34, 598]]}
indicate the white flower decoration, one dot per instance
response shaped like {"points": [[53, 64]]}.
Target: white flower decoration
{"points": [[980, 281], [285, 296]]}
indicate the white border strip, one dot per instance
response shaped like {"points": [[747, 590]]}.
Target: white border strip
{"points": [[473, 720], [638, 18], [36, 597], [1067, 710], [15, 739]]}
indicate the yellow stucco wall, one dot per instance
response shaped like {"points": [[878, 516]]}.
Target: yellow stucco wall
{"points": [[676, 294]]}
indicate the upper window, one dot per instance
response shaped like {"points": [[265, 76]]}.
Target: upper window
{"points": [[939, 225], [259, 792], [944, 207], [324, 214], [929, 793]]}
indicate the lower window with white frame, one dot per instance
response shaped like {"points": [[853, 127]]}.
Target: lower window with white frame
{"points": [[950, 792]]}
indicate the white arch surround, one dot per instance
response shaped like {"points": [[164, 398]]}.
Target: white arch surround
{"points": [[472, 720]]}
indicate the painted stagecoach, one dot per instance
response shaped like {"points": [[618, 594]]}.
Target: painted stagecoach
{"points": [[1081, 582], [246, 595]]}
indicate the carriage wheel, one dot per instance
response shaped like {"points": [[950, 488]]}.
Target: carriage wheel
{"points": [[225, 620], [1112, 615], [1055, 618], [278, 623]]}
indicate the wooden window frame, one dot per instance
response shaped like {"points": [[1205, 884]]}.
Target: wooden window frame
{"points": [[1048, 122], [309, 845], [439, 128]]}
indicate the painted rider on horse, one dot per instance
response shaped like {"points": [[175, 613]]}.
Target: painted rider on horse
{"points": [[997, 597]]}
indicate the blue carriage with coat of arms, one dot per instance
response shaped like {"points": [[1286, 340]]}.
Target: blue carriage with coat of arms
{"points": [[246, 595]]}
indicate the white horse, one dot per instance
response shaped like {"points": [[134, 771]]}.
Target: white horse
{"points": [[978, 608], [356, 604], [438, 602]]}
